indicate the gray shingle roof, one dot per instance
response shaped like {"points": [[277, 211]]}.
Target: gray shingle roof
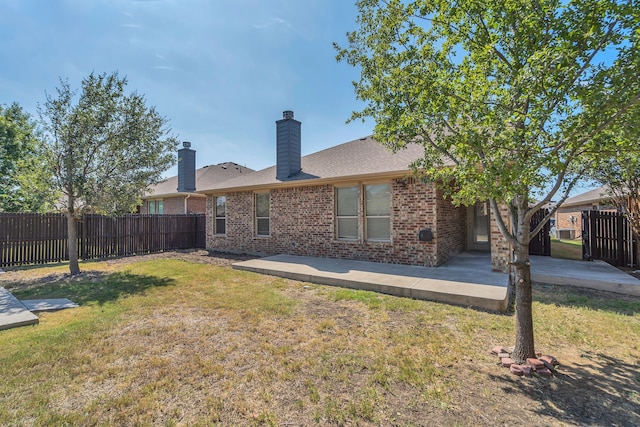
{"points": [[357, 158], [591, 196], [206, 177]]}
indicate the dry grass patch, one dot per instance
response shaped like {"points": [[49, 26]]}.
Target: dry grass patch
{"points": [[169, 342]]}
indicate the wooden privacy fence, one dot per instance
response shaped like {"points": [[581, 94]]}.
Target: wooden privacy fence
{"points": [[608, 236], [41, 238], [540, 244]]}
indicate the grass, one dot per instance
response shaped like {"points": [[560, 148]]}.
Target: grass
{"points": [[170, 342], [566, 249]]}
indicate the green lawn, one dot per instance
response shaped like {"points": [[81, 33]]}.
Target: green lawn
{"points": [[566, 249], [169, 342]]}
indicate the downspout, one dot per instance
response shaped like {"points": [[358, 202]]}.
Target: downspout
{"points": [[185, 203]]}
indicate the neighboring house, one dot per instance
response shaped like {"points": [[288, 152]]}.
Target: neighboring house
{"points": [[568, 224], [353, 201], [177, 195]]}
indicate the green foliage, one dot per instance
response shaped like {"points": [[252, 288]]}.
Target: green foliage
{"points": [[24, 184], [519, 96], [513, 101], [105, 146]]}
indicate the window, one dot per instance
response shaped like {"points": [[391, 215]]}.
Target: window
{"points": [[155, 207], [221, 215], [378, 212], [347, 213], [262, 214]]}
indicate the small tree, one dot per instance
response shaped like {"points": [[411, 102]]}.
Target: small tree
{"points": [[519, 96], [23, 187], [105, 148]]}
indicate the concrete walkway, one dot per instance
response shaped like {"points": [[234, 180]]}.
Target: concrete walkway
{"points": [[465, 280], [587, 274], [13, 313]]}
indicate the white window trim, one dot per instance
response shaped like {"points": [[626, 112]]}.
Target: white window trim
{"points": [[255, 201], [366, 217], [356, 216], [216, 217]]}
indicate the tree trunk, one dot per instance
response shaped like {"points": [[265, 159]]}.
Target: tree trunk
{"points": [[524, 347], [72, 236]]}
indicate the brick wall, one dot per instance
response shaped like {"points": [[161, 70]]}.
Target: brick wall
{"points": [[173, 205], [302, 222], [500, 247], [196, 204], [451, 227]]}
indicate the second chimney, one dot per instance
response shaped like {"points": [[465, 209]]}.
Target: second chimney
{"points": [[186, 168], [288, 141]]}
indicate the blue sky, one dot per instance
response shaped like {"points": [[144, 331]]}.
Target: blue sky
{"points": [[222, 71]]}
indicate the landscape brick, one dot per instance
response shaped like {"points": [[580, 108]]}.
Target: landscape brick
{"points": [[503, 354], [544, 372], [549, 360], [507, 361], [498, 349], [535, 363]]}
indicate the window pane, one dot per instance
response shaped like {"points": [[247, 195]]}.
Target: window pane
{"points": [[347, 228], [220, 226], [348, 201], [263, 226], [378, 229], [378, 199], [221, 208], [160, 207], [152, 207], [262, 205]]}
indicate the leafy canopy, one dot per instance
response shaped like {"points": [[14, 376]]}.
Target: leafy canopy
{"points": [[105, 146], [24, 183], [521, 96]]}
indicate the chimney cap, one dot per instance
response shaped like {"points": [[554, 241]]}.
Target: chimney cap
{"points": [[186, 144], [287, 114]]}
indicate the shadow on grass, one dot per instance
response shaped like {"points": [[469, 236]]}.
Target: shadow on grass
{"points": [[92, 287], [602, 391], [570, 296]]}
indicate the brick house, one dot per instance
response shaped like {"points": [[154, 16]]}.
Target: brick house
{"points": [[568, 218], [354, 201], [177, 194]]}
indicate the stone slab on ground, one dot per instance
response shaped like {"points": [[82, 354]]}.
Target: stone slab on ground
{"points": [[13, 313], [48, 304]]}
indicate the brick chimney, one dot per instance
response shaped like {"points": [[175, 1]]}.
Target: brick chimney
{"points": [[288, 140], [186, 168]]}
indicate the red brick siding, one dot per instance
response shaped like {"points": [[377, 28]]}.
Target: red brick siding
{"points": [[302, 222], [452, 228], [196, 204], [500, 247], [173, 205]]}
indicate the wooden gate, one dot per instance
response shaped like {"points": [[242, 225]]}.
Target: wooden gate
{"points": [[540, 244], [608, 236]]}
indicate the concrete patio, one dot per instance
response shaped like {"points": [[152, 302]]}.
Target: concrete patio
{"points": [[465, 280]]}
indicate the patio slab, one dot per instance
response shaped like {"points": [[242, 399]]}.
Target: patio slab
{"points": [[36, 305], [13, 313], [587, 274], [466, 280]]}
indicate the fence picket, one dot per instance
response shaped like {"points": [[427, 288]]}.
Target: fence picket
{"points": [[27, 238]]}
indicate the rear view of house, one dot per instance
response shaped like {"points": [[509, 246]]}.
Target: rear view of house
{"points": [[355, 201]]}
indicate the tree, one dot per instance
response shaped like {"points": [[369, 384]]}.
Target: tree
{"points": [[621, 177], [105, 148], [520, 96], [23, 187]]}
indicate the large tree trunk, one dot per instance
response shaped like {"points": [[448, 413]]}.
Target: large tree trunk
{"points": [[524, 347], [72, 236]]}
